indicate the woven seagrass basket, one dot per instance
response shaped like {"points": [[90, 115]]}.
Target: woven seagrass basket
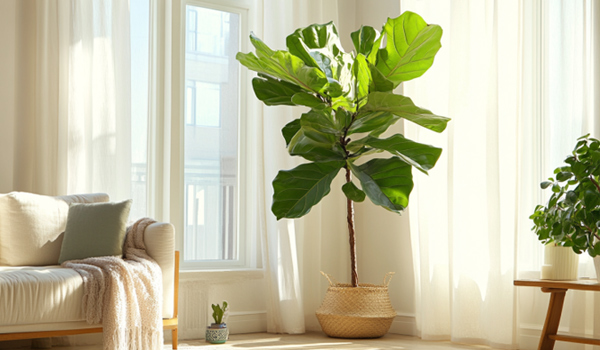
{"points": [[356, 312]]}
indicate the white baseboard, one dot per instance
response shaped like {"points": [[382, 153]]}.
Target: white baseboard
{"points": [[404, 324], [247, 322], [529, 337]]}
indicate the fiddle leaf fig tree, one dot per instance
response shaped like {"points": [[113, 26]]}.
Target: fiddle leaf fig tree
{"points": [[351, 104]]}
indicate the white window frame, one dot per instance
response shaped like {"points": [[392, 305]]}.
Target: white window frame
{"points": [[189, 30], [241, 8]]}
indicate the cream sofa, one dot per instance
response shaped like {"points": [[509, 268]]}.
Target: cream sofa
{"points": [[40, 299]]}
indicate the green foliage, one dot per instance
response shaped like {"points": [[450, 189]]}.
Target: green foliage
{"points": [[572, 215], [298, 189], [348, 94], [218, 312]]}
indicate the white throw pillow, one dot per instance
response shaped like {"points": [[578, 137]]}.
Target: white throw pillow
{"points": [[30, 228]]}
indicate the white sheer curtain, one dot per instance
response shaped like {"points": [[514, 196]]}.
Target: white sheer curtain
{"points": [[73, 134], [567, 109], [514, 77], [39, 99], [292, 274], [99, 110]]}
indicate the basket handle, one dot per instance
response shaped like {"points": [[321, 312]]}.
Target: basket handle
{"points": [[388, 278], [332, 281]]}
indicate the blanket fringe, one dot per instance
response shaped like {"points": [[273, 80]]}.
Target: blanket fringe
{"points": [[133, 339]]}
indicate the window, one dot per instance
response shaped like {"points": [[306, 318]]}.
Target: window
{"points": [[211, 141]]}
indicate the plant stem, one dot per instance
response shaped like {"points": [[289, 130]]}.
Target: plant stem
{"points": [[350, 207], [594, 182], [344, 140]]}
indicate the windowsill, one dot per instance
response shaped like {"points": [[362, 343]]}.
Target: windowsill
{"points": [[221, 275]]}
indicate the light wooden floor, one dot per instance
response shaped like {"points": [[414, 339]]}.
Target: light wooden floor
{"points": [[309, 341]]}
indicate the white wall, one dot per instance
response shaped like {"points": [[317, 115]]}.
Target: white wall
{"points": [[7, 89]]}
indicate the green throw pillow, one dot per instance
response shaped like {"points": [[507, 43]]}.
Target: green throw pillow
{"points": [[94, 229]]}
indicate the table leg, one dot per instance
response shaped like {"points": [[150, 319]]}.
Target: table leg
{"points": [[557, 298]]}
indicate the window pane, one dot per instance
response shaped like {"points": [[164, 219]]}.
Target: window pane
{"points": [[566, 76], [190, 100], [211, 136], [208, 104], [140, 34]]}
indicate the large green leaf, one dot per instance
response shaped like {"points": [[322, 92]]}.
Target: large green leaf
{"points": [[378, 81], [403, 107], [289, 130], [363, 39], [315, 146], [308, 100], [318, 45], [375, 122], [362, 76], [321, 121], [284, 66], [274, 92], [342, 118], [344, 102], [411, 45], [343, 72], [297, 190], [372, 56], [334, 88], [307, 43], [315, 36], [419, 155], [387, 182]]}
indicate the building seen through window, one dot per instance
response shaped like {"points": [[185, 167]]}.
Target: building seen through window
{"points": [[211, 109]]}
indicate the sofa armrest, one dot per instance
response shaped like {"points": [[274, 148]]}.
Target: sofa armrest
{"points": [[160, 245]]}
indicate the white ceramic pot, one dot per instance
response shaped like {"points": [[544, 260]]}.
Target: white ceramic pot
{"points": [[560, 263], [217, 333], [597, 266]]}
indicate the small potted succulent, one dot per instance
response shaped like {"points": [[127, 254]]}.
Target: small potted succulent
{"points": [[217, 332], [571, 218]]}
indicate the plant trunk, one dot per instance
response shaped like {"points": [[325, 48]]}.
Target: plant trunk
{"points": [[350, 207]]}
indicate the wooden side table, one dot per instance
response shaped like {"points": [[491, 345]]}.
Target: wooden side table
{"points": [[557, 290]]}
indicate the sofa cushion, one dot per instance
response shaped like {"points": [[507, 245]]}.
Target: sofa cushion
{"points": [[94, 229], [39, 294], [30, 228]]}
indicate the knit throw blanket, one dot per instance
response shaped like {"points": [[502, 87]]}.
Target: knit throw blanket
{"points": [[125, 295]]}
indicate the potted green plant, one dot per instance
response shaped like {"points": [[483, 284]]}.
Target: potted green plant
{"points": [[571, 218], [351, 103], [217, 332]]}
